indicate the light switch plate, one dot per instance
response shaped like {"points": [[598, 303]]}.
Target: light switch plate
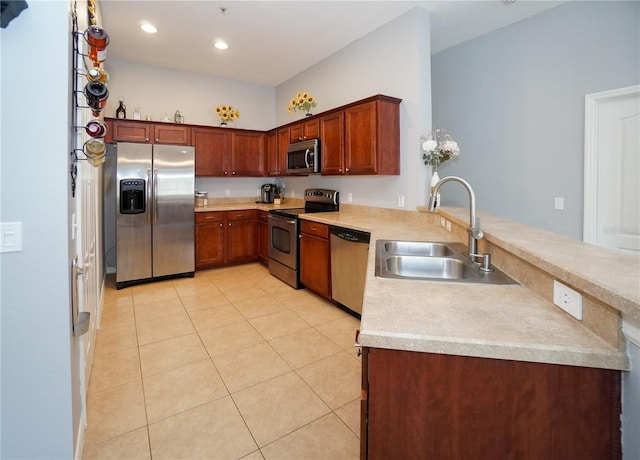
{"points": [[11, 236]]}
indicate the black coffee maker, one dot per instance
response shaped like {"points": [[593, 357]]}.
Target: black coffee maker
{"points": [[268, 193]]}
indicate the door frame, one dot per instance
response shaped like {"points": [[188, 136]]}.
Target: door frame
{"points": [[592, 103]]}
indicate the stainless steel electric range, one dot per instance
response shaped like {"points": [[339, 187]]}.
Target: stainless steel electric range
{"points": [[284, 232]]}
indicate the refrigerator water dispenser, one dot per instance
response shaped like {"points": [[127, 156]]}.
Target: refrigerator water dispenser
{"points": [[132, 196]]}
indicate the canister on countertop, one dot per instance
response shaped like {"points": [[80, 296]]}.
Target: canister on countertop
{"points": [[202, 198]]}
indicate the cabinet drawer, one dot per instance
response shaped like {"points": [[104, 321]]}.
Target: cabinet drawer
{"points": [[206, 217], [263, 216], [247, 214], [314, 228]]}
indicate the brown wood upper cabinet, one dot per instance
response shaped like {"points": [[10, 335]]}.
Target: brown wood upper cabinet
{"points": [[277, 142], [148, 133], [371, 139], [247, 153], [307, 129], [212, 146], [228, 152]]}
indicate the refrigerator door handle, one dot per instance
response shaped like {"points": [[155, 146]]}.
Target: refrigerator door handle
{"points": [[148, 188], [155, 196]]}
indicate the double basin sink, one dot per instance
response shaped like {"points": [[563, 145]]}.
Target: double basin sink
{"points": [[425, 260]]}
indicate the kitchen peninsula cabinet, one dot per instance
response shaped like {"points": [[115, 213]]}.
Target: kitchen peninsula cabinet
{"points": [[315, 258], [425, 405], [225, 238], [147, 132]]}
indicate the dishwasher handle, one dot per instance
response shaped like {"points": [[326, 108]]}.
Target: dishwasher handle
{"points": [[354, 236]]}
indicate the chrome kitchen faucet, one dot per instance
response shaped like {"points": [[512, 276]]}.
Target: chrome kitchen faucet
{"points": [[474, 231]]}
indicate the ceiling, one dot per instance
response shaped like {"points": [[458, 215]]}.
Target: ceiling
{"points": [[271, 41]]}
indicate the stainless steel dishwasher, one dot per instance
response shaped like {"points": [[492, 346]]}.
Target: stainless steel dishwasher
{"points": [[349, 255]]}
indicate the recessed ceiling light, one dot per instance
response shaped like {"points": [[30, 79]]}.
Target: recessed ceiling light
{"points": [[148, 28], [221, 45]]}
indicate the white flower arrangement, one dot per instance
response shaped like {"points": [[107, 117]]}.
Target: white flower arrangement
{"points": [[438, 147]]}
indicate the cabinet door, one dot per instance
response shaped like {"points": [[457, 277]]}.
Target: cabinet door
{"points": [[241, 241], [272, 153], [332, 143], [308, 129], [427, 405], [247, 153], [171, 134], [209, 239], [361, 139], [315, 264], [212, 151], [132, 131], [295, 132], [283, 143]]}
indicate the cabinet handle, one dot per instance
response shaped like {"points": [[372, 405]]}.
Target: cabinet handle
{"points": [[146, 139], [225, 173], [234, 173], [157, 140], [210, 217], [220, 225], [340, 170], [229, 224], [347, 169]]}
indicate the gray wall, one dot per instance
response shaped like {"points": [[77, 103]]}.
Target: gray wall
{"points": [[39, 409], [514, 101]]}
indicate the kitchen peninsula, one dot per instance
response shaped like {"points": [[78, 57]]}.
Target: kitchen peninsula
{"points": [[457, 369]]}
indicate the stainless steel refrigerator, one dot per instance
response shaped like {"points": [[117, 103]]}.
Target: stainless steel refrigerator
{"points": [[154, 212]]}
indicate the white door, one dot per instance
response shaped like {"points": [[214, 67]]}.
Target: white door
{"points": [[612, 170]]}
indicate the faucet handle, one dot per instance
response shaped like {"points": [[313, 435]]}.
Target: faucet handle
{"points": [[475, 230]]}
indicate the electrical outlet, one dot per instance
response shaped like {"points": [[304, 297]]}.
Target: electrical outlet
{"points": [[227, 192], [448, 226], [293, 194], [567, 299], [349, 197], [401, 201], [443, 222]]}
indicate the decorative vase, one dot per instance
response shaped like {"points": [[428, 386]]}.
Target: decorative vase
{"points": [[308, 114], [435, 178], [223, 124]]}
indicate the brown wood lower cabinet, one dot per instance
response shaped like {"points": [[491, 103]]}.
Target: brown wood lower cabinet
{"points": [[315, 258], [263, 237], [225, 238], [432, 406]]}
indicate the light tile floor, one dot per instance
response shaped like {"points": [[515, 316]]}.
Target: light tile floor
{"points": [[230, 364]]}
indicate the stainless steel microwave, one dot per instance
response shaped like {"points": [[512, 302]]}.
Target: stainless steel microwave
{"points": [[303, 157]]}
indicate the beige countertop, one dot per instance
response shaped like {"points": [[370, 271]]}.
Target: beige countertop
{"points": [[217, 206], [491, 321]]}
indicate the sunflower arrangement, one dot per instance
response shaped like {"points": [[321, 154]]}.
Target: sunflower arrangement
{"points": [[302, 101], [227, 113]]}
